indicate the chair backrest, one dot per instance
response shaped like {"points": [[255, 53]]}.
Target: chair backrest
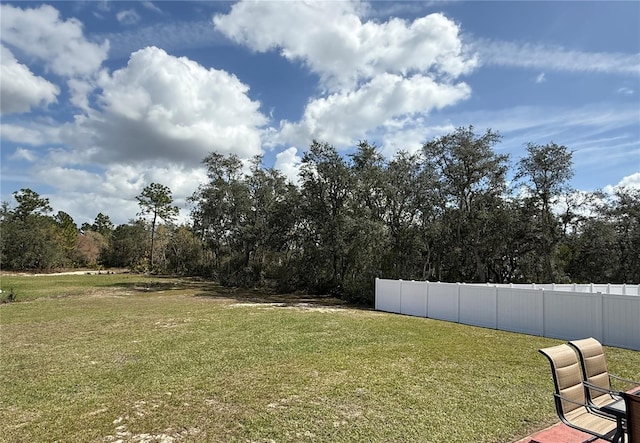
{"points": [[567, 377], [593, 364], [632, 402]]}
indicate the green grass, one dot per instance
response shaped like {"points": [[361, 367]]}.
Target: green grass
{"points": [[50, 286], [132, 358]]}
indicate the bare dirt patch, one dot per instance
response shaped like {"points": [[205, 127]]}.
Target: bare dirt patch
{"points": [[299, 306]]}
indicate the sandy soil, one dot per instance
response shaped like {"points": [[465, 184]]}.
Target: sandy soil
{"points": [[77, 272]]}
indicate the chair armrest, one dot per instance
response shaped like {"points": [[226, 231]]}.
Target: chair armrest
{"points": [[593, 387], [590, 408], [569, 400]]}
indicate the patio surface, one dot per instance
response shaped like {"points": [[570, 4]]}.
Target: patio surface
{"points": [[558, 433]]}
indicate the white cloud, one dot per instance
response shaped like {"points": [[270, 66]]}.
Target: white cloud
{"points": [[169, 36], [630, 182], [541, 78], [24, 154], [151, 7], [538, 56], [288, 162], [84, 205], [59, 44], [29, 133], [540, 124], [79, 90], [410, 135], [113, 191], [20, 89], [66, 178], [345, 117], [162, 107], [332, 40], [372, 74], [128, 17], [625, 91]]}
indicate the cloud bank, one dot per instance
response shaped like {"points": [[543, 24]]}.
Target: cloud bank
{"points": [[371, 74]]}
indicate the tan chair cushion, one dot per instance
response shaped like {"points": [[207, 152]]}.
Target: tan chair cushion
{"points": [[595, 363]]}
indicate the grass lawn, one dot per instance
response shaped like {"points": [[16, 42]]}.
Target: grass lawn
{"points": [[137, 359]]}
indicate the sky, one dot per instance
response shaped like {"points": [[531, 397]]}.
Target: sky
{"points": [[101, 98]]}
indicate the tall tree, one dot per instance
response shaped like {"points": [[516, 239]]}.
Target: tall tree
{"points": [[594, 256], [269, 220], [471, 182], [103, 225], [156, 200], [30, 237], [365, 230], [221, 206], [186, 255], [623, 213], [246, 218], [327, 186], [409, 197], [127, 248], [67, 235], [545, 173], [96, 236], [30, 202]]}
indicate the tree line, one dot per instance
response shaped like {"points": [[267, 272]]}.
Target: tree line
{"points": [[450, 212]]}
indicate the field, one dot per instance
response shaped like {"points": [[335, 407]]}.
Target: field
{"points": [[106, 358]]}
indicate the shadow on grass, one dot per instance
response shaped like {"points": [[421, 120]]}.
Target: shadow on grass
{"points": [[267, 296], [207, 289]]}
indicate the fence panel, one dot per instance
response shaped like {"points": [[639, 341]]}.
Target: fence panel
{"points": [[520, 310], [442, 303], [570, 315], [413, 298], [478, 306], [621, 320], [613, 319], [387, 295], [604, 289]]}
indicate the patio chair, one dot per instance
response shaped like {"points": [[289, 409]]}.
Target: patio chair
{"points": [[570, 401], [632, 404], [598, 381]]}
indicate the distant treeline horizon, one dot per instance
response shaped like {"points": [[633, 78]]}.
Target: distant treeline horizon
{"points": [[444, 213]]}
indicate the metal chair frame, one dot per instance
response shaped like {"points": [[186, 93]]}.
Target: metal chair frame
{"points": [[583, 413]]}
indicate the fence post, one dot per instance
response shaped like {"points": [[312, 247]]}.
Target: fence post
{"points": [[458, 304], [602, 318], [400, 296], [544, 323], [375, 295], [426, 299], [495, 288]]}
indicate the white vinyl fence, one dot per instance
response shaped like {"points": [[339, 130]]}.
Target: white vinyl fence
{"points": [[609, 313]]}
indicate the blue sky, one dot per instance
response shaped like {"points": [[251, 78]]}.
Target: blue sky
{"points": [[101, 98]]}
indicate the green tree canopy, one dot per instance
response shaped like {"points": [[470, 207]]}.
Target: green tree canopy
{"points": [[30, 202], [156, 200]]}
